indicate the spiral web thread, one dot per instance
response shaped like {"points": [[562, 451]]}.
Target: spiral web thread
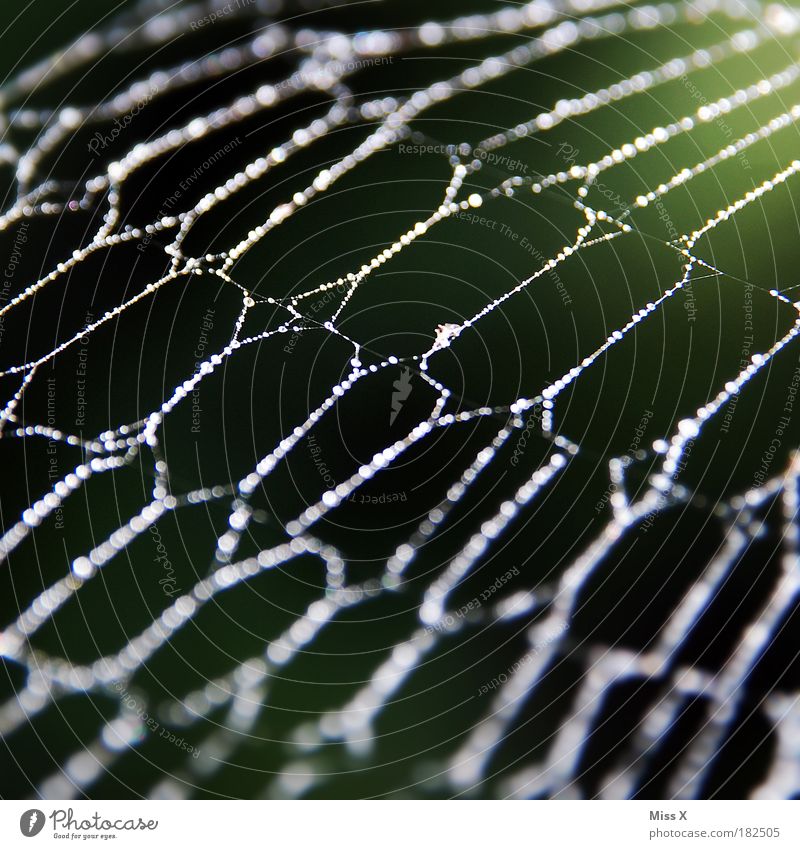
{"points": [[326, 60]]}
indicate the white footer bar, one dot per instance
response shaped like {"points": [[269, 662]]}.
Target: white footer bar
{"points": [[401, 824]]}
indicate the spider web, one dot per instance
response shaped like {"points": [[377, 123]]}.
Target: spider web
{"points": [[227, 716]]}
